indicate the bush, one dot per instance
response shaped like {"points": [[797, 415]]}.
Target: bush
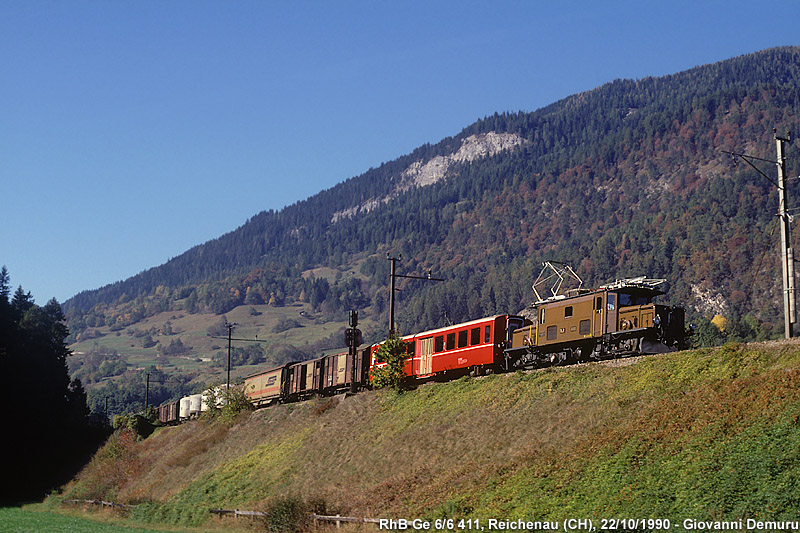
{"points": [[286, 324], [233, 402], [115, 462], [287, 515], [142, 426], [394, 353]]}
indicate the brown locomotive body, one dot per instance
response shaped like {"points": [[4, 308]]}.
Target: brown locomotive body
{"points": [[615, 319]]}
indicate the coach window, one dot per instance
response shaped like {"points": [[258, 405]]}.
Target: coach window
{"points": [[568, 311], [487, 334], [462, 338], [451, 341], [438, 344], [474, 336]]}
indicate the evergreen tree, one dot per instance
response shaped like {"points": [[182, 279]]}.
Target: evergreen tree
{"points": [[46, 415]]}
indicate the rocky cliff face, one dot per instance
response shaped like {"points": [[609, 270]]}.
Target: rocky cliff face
{"points": [[422, 174]]}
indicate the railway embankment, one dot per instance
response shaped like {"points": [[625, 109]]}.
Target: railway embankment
{"points": [[709, 434]]}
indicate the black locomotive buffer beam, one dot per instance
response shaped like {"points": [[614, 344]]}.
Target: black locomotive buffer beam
{"points": [[392, 289]]}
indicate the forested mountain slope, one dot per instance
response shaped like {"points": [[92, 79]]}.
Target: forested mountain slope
{"points": [[627, 179]]}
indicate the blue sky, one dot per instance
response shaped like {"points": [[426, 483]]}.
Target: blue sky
{"points": [[132, 131]]}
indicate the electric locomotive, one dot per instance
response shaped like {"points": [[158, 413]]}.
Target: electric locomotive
{"points": [[588, 324]]}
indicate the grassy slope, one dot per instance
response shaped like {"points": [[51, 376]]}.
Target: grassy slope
{"points": [[702, 434]]}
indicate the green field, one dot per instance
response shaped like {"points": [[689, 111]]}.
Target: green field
{"points": [[15, 519], [38, 518]]}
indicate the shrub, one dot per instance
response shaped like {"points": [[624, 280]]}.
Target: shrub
{"points": [[286, 324], [287, 515], [142, 426], [233, 402], [394, 353]]}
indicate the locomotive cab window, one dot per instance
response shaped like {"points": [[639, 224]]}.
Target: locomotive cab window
{"points": [[541, 315], [438, 344], [513, 325], [626, 299], [474, 336], [451, 341], [462, 338], [568, 311]]}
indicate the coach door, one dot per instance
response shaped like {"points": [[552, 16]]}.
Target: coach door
{"points": [[611, 312], [341, 369], [426, 356]]}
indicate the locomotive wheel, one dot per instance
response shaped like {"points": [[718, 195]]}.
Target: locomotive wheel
{"points": [[636, 345], [584, 352]]}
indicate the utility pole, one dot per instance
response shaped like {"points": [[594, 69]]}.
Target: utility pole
{"points": [[786, 252], [391, 292], [394, 275], [147, 393], [230, 329]]}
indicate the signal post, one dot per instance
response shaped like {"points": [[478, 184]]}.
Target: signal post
{"points": [[353, 339]]}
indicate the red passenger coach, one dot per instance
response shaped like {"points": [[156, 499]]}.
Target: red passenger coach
{"points": [[476, 346]]}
